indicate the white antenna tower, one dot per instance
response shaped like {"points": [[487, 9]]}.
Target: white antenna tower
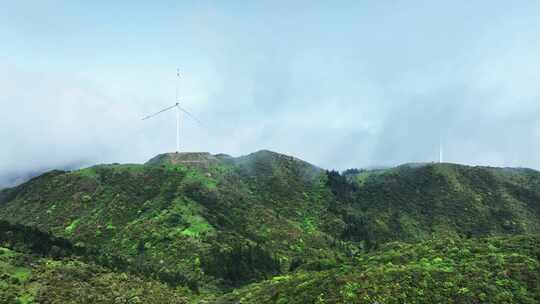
{"points": [[178, 109], [177, 112], [440, 151]]}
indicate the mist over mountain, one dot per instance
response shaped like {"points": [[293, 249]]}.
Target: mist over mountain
{"points": [[16, 177], [375, 82]]}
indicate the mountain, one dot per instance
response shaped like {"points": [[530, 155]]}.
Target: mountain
{"points": [[216, 227], [191, 223], [416, 202]]}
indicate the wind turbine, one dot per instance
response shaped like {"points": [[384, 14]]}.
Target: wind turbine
{"points": [[178, 110], [440, 151]]}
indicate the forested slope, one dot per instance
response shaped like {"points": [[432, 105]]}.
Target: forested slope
{"points": [[213, 223]]}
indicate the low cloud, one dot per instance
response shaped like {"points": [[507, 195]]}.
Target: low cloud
{"points": [[351, 86]]}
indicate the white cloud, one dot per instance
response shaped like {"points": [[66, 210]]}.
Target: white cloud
{"points": [[357, 85]]}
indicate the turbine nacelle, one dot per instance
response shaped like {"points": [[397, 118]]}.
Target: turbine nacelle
{"points": [[178, 109]]}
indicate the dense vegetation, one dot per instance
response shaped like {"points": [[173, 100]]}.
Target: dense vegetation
{"points": [[446, 270], [258, 227], [37, 267]]}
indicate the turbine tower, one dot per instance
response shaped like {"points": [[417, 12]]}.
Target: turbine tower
{"points": [[178, 110], [440, 152]]}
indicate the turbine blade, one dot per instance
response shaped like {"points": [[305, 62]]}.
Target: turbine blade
{"points": [[152, 115], [191, 115]]}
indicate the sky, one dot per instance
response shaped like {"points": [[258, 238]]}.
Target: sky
{"points": [[340, 84]]}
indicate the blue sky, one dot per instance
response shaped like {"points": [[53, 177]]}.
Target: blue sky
{"points": [[342, 84]]}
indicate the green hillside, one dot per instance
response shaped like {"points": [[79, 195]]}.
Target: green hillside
{"points": [[410, 203], [446, 270], [212, 224], [36, 267]]}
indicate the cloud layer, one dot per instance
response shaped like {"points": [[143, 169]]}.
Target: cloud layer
{"points": [[340, 86]]}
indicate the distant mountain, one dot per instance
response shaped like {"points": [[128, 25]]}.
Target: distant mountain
{"points": [[212, 223], [416, 202], [16, 178], [13, 178]]}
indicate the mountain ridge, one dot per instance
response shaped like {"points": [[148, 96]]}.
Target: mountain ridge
{"points": [[215, 223]]}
